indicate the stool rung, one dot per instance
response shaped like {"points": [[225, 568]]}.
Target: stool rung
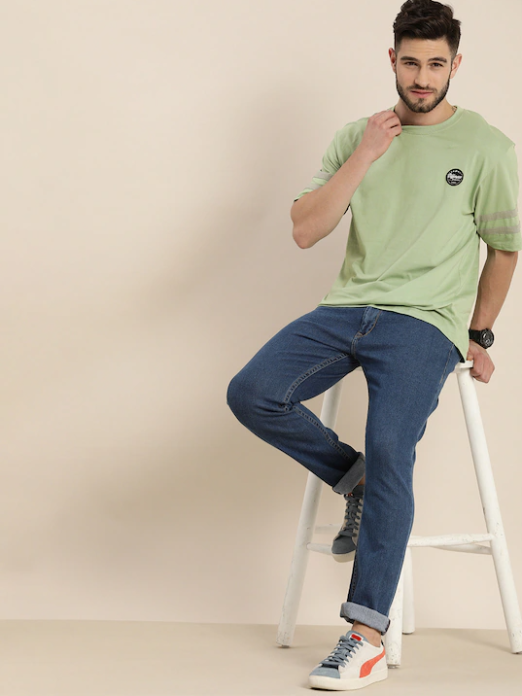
{"points": [[415, 540], [448, 539], [321, 548], [448, 542], [466, 548]]}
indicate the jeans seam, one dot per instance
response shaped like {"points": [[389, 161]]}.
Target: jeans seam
{"points": [[309, 373], [317, 422], [373, 326], [446, 365], [322, 428], [357, 336]]}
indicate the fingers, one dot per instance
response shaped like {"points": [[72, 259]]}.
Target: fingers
{"points": [[384, 115], [483, 368]]}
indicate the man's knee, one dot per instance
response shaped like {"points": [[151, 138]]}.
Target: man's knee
{"points": [[242, 395], [235, 394], [250, 397]]}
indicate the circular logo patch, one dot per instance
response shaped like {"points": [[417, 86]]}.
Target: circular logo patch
{"points": [[454, 177]]}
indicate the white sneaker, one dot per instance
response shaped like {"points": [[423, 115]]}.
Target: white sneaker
{"points": [[352, 664]]}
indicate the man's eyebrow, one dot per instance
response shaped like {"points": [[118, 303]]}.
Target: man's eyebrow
{"points": [[440, 59]]}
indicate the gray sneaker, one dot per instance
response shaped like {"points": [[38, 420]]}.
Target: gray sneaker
{"points": [[345, 543]]}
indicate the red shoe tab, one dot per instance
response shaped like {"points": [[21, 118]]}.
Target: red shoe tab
{"points": [[354, 635]]}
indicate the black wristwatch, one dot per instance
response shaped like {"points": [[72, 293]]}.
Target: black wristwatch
{"points": [[484, 337]]}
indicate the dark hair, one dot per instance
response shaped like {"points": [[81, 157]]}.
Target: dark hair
{"points": [[427, 19]]}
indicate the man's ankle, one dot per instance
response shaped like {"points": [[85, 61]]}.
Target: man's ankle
{"points": [[372, 634]]}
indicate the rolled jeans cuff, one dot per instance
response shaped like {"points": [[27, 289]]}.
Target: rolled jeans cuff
{"points": [[352, 476], [357, 612]]}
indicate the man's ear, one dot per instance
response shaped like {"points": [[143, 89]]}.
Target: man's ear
{"points": [[393, 58]]}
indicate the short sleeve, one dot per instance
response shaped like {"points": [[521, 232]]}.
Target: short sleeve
{"points": [[330, 165], [496, 205]]}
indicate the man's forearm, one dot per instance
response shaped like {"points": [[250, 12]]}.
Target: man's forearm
{"points": [[493, 287]]}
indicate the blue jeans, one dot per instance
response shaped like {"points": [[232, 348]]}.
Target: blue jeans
{"points": [[405, 362]]}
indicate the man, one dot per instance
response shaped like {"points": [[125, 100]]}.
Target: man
{"points": [[426, 181]]}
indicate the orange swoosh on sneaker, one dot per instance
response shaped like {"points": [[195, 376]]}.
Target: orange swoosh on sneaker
{"points": [[366, 668]]}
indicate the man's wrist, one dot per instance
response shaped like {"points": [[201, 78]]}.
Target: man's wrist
{"points": [[484, 337]]}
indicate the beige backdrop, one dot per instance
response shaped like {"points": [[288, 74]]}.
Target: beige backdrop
{"points": [[150, 155]]}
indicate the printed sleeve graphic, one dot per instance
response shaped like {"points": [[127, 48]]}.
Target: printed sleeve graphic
{"points": [[496, 205]]}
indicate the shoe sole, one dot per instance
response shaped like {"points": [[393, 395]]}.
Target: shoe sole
{"points": [[344, 557], [332, 684]]}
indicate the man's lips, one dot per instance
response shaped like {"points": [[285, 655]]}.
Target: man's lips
{"points": [[423, 94]]}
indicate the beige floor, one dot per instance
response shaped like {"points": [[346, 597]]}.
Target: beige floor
{"points": [[98, 658]]}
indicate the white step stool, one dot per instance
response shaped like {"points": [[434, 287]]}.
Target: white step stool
{"points": [[402, 610]]}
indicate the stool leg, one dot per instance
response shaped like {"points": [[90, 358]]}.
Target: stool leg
{"points": [[408, 610], [491, 508], [305, 530], [294, 588], [393, 636]]}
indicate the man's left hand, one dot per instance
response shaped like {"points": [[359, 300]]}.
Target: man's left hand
{"points": [[483, 366]]}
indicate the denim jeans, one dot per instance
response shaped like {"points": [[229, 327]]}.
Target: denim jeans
{"points": [[405, 362]]}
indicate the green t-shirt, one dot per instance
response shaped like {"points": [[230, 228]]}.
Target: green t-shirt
{"points": [[418, 217]]}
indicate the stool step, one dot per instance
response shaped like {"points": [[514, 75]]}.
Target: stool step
{"points": [[449, 540], [320, 548], [466, 543]]}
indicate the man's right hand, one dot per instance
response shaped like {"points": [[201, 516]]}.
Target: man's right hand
{"points": [[380, 130]]}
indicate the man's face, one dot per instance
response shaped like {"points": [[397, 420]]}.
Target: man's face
{"points": [[423, 65]]}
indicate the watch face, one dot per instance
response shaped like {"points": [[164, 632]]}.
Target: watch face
{"points": [[486, 338]]}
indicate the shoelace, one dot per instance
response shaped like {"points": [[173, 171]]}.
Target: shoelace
{"points": [[353, 509], [341, 652]]}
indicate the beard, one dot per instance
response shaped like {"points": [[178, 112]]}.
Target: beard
{"points": [[421, 105]]}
